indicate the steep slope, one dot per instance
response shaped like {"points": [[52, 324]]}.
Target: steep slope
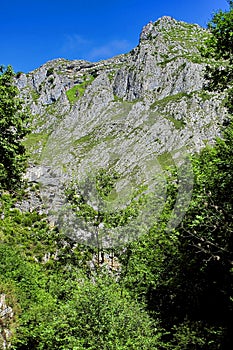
{"points": [[134, 113]]}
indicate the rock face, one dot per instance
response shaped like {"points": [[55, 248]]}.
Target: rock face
{"points": [[6, 319], [122, 113]]}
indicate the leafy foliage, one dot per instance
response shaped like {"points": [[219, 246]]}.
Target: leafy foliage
{"points": [[220, 44], [220, 47], [89, 200], [102, 316], [188, 283], [102, 187], [13, 128], [60, 303], [173, 290], [195, 299]]}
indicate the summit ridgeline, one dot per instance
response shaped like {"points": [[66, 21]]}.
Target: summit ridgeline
{"points": [[122, 111]]}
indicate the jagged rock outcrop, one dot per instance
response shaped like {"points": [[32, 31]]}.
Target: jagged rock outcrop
{"points": [[6, 320], [123, 113]]}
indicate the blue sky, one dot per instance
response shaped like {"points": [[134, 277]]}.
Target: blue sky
{"points": [[33, 32]]}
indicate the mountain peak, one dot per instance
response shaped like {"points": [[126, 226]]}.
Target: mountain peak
{"points": [[151, 29], [165, 24], [119, 113]]}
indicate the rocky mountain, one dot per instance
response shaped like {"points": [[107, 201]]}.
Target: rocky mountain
{"points": [[134, 113]]}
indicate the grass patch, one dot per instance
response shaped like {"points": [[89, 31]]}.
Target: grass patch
{"points": [[84, 139], [170, 98], [111, 76], [34, 143], [204, 95], [165, 160], [77, 91], [33, 140], [118, 99], [35, 95], [179, 124]]}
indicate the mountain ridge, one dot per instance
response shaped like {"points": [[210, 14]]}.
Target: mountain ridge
{"points": [[120, 113]]}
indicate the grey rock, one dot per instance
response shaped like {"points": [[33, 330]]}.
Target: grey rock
{"points": [[7, 319], [127, 111]]}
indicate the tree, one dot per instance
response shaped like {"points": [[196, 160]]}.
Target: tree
{"points": [[13, 128], [221, 40], [89, 201], [219, 46], [190, 286], [197, 302], [102, 315]]}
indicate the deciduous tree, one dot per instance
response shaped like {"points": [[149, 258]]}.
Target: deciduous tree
{"points": [[13, 128]]}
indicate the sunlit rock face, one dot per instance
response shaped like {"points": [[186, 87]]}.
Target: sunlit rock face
{"points": [[144, 106], [7, 319]]}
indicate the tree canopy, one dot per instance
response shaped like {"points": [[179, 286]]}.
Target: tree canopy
{"points": [[172, 290], [13, 128]]}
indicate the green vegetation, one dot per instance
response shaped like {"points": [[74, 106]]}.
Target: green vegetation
{"points": [[219, 47], [50, 71], [176, 98], [56, 306], [34, 142], [35, 95], [186, 36], [171, 290], [77, 91], [73, 94], [13, 128], [179, 124], [99, 217], [165, 160], [118, 99], [111, 75]]}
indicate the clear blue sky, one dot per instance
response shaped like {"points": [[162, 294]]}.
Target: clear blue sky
{"points": [[33, 32]]}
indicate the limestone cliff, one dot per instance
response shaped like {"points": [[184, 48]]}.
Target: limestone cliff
{"points": [[121, 113]]}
